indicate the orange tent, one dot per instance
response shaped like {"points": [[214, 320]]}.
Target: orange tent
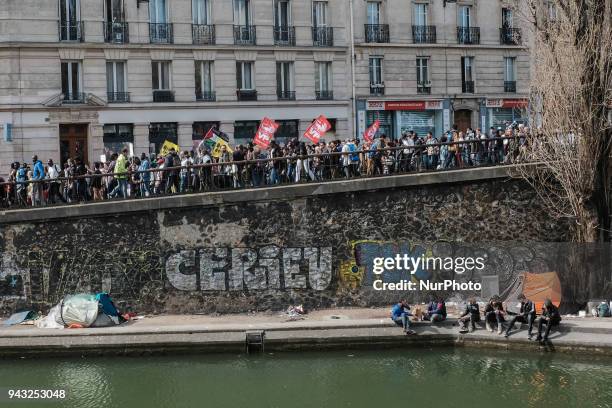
{"points": [[538, 287]]}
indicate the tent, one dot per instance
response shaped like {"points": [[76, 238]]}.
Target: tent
{"points": [[536, 287], [88, 310]]}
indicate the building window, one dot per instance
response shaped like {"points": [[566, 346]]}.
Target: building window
{"points": [[242, 12], [465, 16], [323, 85], [284, 81], [159, 133], [160, 31], [377, 86], [509, 74], [161, 82], [71, 82], [115, 28], [423, 83], [117, 137], [284, 32], [116, 81], [319, 14], [373, 10], [244, 75], [420, 14], [201, 12], [204, 81], [244, 131], [467, 74], [287, 130], [199, 130], [507, 18], [70, 25], [157, 11]]}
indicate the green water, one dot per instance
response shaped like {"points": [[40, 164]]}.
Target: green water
{"points": [[444, 378]]}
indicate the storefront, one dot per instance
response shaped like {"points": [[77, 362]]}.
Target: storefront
{"points": [[397, 117], [159, 133], [117, 137], [502, 113]]}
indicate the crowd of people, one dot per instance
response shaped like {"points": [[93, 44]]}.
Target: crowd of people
{"points": [[494, 316], [125, 176]]}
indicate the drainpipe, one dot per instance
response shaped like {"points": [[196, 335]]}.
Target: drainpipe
{"points": [[353, 101]]}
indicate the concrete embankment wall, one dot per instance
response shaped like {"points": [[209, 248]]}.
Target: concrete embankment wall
{"points": [[268, 248]]}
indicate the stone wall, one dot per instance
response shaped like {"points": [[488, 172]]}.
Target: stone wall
{"points": [[260, 255]]}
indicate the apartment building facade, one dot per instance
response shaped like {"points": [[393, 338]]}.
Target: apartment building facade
{"points": [[84, 78], [426, 65]]}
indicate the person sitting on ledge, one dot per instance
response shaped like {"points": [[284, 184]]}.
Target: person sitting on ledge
{"points": [[494, 314], [436, 312], [400, 314], [471, 314], [527, 314], [550, 317]]}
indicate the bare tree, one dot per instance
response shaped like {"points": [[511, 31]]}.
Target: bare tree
{"points": [[570, 98]]}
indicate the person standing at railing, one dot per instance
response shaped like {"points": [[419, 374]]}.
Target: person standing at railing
{"points": [[21, 176], [430, 160], [237, 156], [53, 172], [145, 175], [121, 175], [275, 164], [96, 182], [184, 172], [38, 175]]}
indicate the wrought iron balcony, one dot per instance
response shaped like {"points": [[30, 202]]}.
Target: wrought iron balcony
{"points": [[324, 95], [510, 36], [71, 32], [163, 95], [467, 87], [161, 33], [116, 32], [510, 86], [74, 97], [377, 33], [284, 35], [245, 35], [323, 36], [468, 35], [118, 97], [246, 94], [203, 34], [423, 34], [206, 96], [377, 89], [424, 87], [285, 95]]}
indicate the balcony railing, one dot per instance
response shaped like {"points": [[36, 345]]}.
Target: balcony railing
{"points": [[285, 95], [324, 95], [118, 97], [71, 32], [510, 86], [284, 35], [377, 89], [203, 34], [246, 94], [323, 36], [468, 35], [423, 34], [377, 33], [424, 87], [116, 32], [160, 33], [467, 87], [163, 95], [510, 36], [245, 35], [206, 96], [74, 97]]}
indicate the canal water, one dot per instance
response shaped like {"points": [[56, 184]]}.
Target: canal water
{"points": [[440, 377]]}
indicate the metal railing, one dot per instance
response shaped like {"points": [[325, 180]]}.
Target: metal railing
{"points": [[71, 31], [285, 95], [264, 172], [161, 33], [74, 97], [424, 87], [115, 97], [424, 34], [377, 33], [207, 96], [322, 36], [116, 32], [377, 89], [246, 94], [324, 95], [284, 35], [510, 36], [203, 34], [467, 87], [245, 35], [510, 86], [468, 35], [163, 95]]}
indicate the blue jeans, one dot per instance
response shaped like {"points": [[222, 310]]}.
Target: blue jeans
{"points": [[403, 321], [145, 190], [121, 187], [274, 176]]}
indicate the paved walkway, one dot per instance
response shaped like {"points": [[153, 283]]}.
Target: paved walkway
{"points": [[335, 328]]}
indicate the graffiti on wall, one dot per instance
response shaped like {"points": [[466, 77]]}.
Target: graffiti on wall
{"points": [[237, 269]]}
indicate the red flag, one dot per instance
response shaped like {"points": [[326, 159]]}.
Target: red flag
{"points": [[371, 131], [317, 129], [265, 133], [209, 134]]}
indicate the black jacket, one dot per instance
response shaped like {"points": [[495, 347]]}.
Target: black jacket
{"points": [[473, 310]]}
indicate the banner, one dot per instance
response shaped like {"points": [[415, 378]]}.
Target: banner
{"points": [[214, 144], [167, 146], [371, 131], [265, 133], [317, 129]]}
